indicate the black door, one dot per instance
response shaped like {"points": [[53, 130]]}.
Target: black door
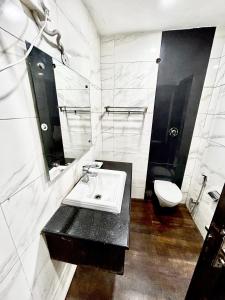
{"points": [[208, 281]]}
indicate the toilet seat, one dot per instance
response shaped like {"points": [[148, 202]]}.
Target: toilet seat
{"points": [[168, 192]]}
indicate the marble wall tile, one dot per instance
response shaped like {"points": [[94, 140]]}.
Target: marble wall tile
{"points": [[76, 140], [107, 76], [199, 124], [97, 146], [95, 73], [185, 184], [131, 143], [218, 129], [212, 165], [202, 220], [8, 253], [107, 98], [34, 258], [107, 121], [79, 55], [138, 159], [220, 77], [207, 128], [194, 148], [95, 99], [96, 126], [137, 47], [218, 43], [21, 155], [132, 124], [34, 261], [15, 97], [137, 192], [136, 75], [31, 203], [14, 284], [220, 109], [67, 79], [214, 101], [64, 283], [106, 155], [107, 49], [75, 123], [68, 97], [205, 100], [79, 20], [190, 165], [47, 282], [211, 73], [107, 142], [139, 178], [135, 98]]}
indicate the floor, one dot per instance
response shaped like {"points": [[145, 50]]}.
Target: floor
{"points": [[164, 247]]}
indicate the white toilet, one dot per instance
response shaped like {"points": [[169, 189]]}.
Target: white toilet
{"points": [[168, 193]]}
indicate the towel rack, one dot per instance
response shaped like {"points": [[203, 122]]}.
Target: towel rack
{"points": [[126, 109], [75, 109]]}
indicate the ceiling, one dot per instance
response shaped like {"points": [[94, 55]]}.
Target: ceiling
{"points": [[122, 16]]}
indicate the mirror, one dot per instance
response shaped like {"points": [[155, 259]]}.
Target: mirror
{"points": [[74, 111], [62, 101]]}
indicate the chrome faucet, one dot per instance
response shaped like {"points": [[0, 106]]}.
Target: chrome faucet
{"points": [[87, 173]]}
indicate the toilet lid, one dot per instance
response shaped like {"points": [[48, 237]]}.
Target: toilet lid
{"points": [[168, 191]]}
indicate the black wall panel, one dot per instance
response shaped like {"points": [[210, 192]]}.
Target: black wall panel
{"points": [[184, 59], [42, 79]]}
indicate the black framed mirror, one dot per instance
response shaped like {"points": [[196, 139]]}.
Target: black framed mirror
{"points": [[62, 101]]}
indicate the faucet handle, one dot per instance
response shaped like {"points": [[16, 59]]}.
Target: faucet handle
{"points": [[85, 168]]}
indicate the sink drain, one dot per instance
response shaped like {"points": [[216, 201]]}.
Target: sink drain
{"points": [[98, 196]]}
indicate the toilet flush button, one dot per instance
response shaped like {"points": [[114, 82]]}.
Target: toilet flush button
{"points": [[44, 127], [173, 131]]}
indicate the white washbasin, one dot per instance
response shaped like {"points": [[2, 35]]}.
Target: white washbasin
{"points": [[103, 192]]}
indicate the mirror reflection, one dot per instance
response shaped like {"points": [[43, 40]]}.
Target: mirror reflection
{"points": [[62, 103], [74, 110]]}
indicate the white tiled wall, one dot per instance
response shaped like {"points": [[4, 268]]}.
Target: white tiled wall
{"points": [[27, 198], [128, 75], [207, 150]]}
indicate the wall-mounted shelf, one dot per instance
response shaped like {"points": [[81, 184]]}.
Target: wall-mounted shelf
{"points": [[75, 109], [126, 110]]}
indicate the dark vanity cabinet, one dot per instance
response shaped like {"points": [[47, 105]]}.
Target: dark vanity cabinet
{"points": [[91, 237]]}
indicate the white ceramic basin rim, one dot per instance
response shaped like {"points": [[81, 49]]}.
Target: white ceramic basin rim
{"points": [[102, 192]]}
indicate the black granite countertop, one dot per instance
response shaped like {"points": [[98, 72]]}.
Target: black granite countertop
{"points": [[95, 225]]}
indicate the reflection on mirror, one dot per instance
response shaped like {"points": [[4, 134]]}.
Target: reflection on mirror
{"points": [[62, 101]]}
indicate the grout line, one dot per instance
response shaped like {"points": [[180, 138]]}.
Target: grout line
{"points": [[216, 143], [128, 62], [21, 189], [24, 118], [128, 88], [214, 87], [17, 252], [17, 38]]}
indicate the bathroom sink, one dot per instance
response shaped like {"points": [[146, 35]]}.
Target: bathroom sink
{"points": [[102, 192]]}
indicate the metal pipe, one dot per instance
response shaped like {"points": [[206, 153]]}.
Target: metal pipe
{"points": [[196, 203]]}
